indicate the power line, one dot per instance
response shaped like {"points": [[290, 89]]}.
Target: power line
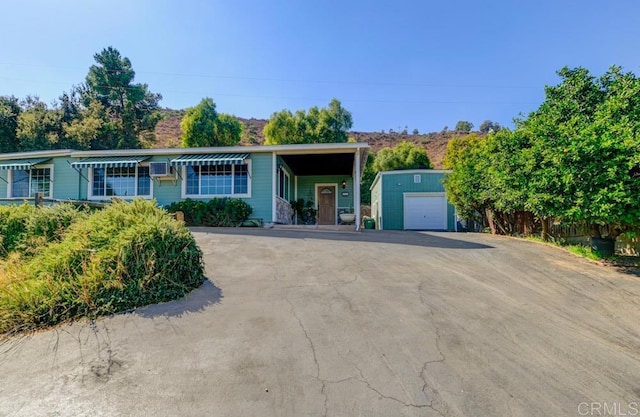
{"points": [[267, 97], [291, 80]]}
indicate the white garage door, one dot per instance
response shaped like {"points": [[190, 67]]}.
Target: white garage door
{"points": [[425, 212]]}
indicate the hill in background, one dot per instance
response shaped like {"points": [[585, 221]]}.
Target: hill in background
{"points": [[168, 136]]}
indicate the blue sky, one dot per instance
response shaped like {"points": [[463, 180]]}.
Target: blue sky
{"points": [[420, 64]]}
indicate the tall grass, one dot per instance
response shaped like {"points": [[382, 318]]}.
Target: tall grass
{"points": [[125, 256]]}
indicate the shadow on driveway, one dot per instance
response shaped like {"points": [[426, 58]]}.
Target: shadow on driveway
{"points": [[197, 300], [374, 236]]}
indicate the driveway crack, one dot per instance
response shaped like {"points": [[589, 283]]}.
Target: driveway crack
{"points": [[365, 381], [315, 356]]}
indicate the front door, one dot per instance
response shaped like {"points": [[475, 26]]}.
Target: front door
{"points": [[327, 204]]}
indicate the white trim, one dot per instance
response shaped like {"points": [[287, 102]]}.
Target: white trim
{"points": [[335, 185], [424, 194], [183, 185], [417, 171], [356, 189], [287, 193], [92, 197], [34, 154], [39, 166], [274, 190], [280, 149], [408, 171]]}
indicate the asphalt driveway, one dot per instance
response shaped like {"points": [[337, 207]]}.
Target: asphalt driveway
{"points": [[296, 323]]}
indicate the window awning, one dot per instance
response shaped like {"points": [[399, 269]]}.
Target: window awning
{"points": [[211, 159], [109, 162], [21, 164]]}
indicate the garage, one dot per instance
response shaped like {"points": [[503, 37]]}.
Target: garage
{"points": [[425, 211], [412, 199]]}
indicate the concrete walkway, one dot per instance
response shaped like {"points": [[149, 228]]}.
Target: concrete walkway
{"points": [[311, 323]]}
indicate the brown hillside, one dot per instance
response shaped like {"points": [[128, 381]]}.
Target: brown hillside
{"points": [[168, 136]]}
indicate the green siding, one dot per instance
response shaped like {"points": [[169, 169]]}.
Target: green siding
{"points": [[65, 179], [69, 184], [166, 191], [394, 185], [262, 186], [307, 189]]}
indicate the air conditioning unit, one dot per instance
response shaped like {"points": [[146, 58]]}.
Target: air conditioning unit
{"points": [[159, 169]]}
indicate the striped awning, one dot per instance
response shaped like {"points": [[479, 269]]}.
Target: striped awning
{"points": [[21, 164], [211, 159], [109, 162]]}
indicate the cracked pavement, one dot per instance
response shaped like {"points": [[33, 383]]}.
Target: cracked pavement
{"points": [[308, 323]]}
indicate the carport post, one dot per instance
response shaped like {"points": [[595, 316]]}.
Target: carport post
{"points": [[356, 189]]}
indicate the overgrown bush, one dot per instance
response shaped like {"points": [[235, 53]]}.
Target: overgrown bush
{"points": [[125, 256], [25, 227], [217, 212]]}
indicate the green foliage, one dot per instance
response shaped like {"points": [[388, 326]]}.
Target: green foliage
{"points": [[569, 160], [38, 127], [304, 211], [132, 110], [27, 228], [217, 212], [9, 114], [464, 126], [488, 126], [108, 111], [122, 257], [13, 226], [326, 125], [368, 175], [203, 126], [404, 155], [466, 186]]}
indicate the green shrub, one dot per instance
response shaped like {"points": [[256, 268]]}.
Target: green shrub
{"points": [[217, 212], [13, 225], [125, 256], [26, 228]]}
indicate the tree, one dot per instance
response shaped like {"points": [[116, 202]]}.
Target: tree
{"points": [[489, 126], [131, 109], [39, 128], [464, 126], [82, 130], [405, 155], [466, 185], [9, 114], [368, 175], [415, 132], [203, 126], [326, 125], [228, 130]]}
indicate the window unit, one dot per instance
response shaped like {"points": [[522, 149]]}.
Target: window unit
{"points": [[216, 181], [27, 183], [125, 182], [283, 184]]}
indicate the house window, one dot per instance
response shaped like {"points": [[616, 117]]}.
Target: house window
{"points": [[283, 184], [217, 180], [27, 183], [417, 179], [121, 182]]}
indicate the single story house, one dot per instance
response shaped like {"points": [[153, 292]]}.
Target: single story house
{"points": [[411, 200], [269, 178]]}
